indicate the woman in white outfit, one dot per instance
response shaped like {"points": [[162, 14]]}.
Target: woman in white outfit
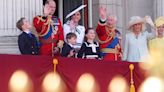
{"points": [[136, 41], [73, 26]]}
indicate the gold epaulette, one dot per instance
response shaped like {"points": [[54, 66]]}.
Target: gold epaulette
{"points": [[110, 35], [41, 34], [40, 18], [47, 22], [105, 41]]}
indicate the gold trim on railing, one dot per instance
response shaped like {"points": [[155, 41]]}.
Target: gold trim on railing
{"points": [[55, 62], [132, 87]]}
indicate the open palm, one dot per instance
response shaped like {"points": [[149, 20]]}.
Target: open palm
{"points": [[102, 12]]}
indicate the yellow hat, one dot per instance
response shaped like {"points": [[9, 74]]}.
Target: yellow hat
{"points": [[159, 21]]}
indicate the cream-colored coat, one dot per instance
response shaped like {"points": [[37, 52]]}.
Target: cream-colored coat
{"points": [[136, 48]]}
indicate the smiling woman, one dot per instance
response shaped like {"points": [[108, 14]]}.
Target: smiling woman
{"points": [[70, 5], [63, 7]]}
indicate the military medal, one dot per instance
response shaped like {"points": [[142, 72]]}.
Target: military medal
{"points": [[55, 29]]}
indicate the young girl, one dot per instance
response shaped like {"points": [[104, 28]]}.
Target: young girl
{"points": [[90, 48]]}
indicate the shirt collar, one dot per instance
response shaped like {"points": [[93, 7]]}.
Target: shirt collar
{"points": [[70, 44], [27, 31]]}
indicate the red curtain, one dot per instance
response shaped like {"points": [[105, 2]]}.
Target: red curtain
{"points": [[35, 66], [69, 69]]}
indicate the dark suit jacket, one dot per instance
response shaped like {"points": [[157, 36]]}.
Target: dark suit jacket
{"points": [[28, 44], [66, 50]]}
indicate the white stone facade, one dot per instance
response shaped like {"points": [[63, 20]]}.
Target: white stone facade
{"points": [[124, 9], [12, 10]]}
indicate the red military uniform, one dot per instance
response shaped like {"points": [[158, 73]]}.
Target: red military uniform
{"points": [[109, 42], [50, 33]]}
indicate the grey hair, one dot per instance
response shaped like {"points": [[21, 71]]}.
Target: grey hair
{"points": [[114, 16]]}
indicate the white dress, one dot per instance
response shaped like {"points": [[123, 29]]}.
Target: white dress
{"points": [[79, 31], [136, 48]]}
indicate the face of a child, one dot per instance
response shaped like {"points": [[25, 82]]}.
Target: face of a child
{"points": [[26, 24], [91, 34], [72, 40]]}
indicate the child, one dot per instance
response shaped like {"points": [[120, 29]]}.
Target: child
{"points": [[27, 42], [90, 48], [68, 50]]}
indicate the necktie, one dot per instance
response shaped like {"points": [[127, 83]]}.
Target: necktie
{"points": [[30, 35]]}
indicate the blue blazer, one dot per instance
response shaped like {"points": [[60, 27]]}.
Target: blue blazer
{"points": [[28, 44]]}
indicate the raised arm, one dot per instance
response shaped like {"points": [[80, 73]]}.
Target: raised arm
{"points": [[152, 34], [101, 22]]}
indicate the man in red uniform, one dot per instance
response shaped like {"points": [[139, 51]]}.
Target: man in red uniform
{"points": [[49, 29], [108, 37]]}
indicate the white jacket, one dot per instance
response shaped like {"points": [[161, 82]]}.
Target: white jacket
{"points": [[79, 31], [136, 48]]}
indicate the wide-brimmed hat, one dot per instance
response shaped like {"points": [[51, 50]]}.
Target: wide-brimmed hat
{"points": [[135, 20], [159, 21], [76, 10]]}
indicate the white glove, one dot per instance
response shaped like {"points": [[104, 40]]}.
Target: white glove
{"points": [[149, 21]]}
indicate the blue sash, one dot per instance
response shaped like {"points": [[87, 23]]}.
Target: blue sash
{"points": [[49, 33], [55, 23], [112, 45]]}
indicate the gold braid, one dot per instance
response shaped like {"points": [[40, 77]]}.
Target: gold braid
{"points": [[43, 27], [110, 35]]}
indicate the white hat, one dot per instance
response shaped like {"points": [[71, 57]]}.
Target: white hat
{"points": [[135, 20], [76, 10]]}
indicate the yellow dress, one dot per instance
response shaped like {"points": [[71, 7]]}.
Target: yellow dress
{"points": [[156, 46]]}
